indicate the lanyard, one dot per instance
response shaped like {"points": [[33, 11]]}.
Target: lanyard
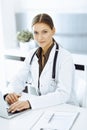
{"points": [[54, 64]]}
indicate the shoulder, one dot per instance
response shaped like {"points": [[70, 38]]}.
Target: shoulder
{"points": [[64, 52], [64, 55], [30, 54]]}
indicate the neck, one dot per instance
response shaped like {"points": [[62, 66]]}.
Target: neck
{"points": [[44, 50]]}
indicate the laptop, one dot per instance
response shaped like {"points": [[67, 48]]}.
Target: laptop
{"points": [[4, 109]]}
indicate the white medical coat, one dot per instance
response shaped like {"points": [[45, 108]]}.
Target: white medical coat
{"points": [[52, 92]]}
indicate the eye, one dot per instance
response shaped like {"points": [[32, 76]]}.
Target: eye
{"points": [[44, 31], [35, 32]]}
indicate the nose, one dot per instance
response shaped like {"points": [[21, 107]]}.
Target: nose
{"points": [[40, 37]]}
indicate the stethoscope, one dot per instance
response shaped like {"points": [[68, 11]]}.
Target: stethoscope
{"points": [[54, 64]]}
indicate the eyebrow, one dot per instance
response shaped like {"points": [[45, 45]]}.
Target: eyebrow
{"points": [[41, 30]]}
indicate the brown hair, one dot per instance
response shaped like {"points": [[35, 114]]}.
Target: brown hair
{"points": [[43, 18]]}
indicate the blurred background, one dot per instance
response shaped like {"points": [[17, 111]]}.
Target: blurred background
{"points": [[70, 19]]}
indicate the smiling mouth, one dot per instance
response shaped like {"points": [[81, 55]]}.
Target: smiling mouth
{"points": [[42, 42]]}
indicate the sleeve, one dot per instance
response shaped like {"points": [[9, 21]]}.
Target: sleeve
{"points": [[17, 84]]}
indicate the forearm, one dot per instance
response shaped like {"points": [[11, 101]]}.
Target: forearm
{"points": [[50, 99]]}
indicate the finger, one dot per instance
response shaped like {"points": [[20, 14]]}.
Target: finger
{"points": [[18, 106], [15, 107], [12, 108], [23, 105], [9, 99], [15, 97]]}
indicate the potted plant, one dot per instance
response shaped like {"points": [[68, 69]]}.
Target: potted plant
{"points": [[25, 39]]}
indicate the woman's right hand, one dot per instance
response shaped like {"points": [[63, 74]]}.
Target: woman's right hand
{"points": [[12, 97]]}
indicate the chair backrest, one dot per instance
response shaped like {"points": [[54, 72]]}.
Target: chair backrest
{"points": [[81, 87]]}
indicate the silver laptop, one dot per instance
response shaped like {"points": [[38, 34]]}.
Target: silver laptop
{"points": [[4, 109]]}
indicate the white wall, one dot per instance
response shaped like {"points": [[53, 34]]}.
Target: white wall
{"points": [[10, 7], [1, 32], [8, 20], [55, 5]]}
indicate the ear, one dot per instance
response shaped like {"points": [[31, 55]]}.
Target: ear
{"points": [[54, 30]]}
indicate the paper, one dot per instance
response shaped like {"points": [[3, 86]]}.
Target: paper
{"points": [[56, 121]]}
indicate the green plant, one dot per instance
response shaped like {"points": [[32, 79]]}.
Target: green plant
{"points": [[24, 36]]}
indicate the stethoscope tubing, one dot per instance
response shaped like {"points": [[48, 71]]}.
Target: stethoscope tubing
{"points": [[54, 65]]}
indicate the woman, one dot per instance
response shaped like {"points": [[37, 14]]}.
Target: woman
{"points": [[49, 69]]}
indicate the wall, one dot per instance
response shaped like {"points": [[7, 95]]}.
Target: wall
{"points": [[1, 32], [55, 5]]}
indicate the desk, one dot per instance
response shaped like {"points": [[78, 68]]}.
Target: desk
{"points": [[25, 120]]}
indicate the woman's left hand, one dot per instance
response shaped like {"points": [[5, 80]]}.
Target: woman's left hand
{"points": [[19, 106]]}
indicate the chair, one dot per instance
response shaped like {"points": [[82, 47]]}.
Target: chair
{"points": [[81, 87]]}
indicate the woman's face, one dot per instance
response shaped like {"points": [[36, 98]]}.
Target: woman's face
{"points": [[43, 35]]}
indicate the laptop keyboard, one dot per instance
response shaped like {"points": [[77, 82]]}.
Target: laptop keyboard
{"points": [[9, 113]]}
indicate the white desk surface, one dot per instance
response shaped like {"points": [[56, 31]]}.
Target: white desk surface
{"points": [[25, 120]]}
